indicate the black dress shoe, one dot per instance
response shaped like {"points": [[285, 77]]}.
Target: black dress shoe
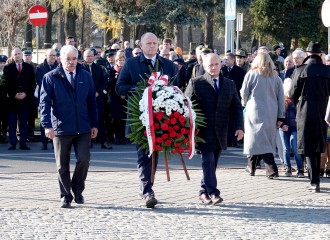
{"points": [[79, 199], [273, 176], [106, 145], [315, 188], [205, 198], [216, 199], [248, 169], [151, 201], [24, 147], [12, 147], [65, 203]]}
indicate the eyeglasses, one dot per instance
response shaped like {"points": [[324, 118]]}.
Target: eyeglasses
{"points": [[137, 53]]}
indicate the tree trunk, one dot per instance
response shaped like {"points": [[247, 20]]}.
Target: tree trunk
{"points": [[190, 38], [82, 25], [70, 24], [201, 40], [209, 28], [28, 35], [61, 34], [48, 28], [140, 30], [107, 36], [126, 31], [178, 36]]}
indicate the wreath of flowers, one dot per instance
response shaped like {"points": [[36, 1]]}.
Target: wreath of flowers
{"points": [[162, 118]]}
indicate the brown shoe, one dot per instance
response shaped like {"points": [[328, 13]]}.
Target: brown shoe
{"points": [[216, 199], [205, 198]]}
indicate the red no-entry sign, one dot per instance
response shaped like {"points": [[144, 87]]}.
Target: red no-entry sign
{"points": [[38, 15]]}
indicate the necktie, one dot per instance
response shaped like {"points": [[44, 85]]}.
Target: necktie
{"points": [[72, 80], [19, 68], [215, 84], [229, 69], [90, 69]]}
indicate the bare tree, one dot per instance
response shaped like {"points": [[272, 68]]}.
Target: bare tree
{"points": [[13, 12]]}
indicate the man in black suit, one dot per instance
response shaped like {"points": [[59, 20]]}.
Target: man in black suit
{"points": [[134, 69], [235, 73], [48, 65], [19, 83], [100, 84], [217, 98]]}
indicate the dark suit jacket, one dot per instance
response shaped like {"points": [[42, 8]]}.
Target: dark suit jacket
{"points": [[42, 69], [136, 69], [216, 108], [236, 74], [98, 77], [15, 83]]}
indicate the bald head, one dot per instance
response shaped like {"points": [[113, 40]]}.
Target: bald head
{"points": [[212, 65], [89, 56], [51, 56], [149, 44]]}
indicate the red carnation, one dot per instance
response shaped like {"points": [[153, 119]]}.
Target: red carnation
{"points": [[186, 140], [164, 126], [173, 121], [145, 133], [180, 150], [170, 129], [176, 127], [184, 131], [176, 114], [159, 140], [167, 121], [165, 136], [182, 119], [178, 135], [159, 116], [156, 126], [168, 142], [173, 134], [171, 115], [158, 148], [177, 145], [174, 151]]}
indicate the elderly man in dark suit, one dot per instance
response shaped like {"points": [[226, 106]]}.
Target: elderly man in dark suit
{"points": [[132, 72], [19, 83], [100, 83], [48, 65], [217, 97]]}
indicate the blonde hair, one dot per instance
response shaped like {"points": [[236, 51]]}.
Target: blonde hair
{"points": [[264, 65], [120, 55]]}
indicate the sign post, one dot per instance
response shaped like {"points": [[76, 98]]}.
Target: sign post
{"points": [[325, 13], [38, 16], [239, 27], [230, 16]]}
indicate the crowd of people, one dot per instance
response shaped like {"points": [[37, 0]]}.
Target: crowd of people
{"points": [[276, 99]]}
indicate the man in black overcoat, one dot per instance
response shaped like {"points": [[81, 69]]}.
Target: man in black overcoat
{"points": [[134, 70], [217, 98], [310, 92]]}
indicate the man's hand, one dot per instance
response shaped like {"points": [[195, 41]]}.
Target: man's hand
{"points": [[94, 132], [239, 134], [49, 132], [20, 96]]}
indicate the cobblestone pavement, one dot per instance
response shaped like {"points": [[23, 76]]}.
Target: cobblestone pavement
{"points": [[253, 208]]}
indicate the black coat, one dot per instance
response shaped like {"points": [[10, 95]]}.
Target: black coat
{"points": [[216, 108], [99, 79], [310, 92], [19, 82], [236, 74]]}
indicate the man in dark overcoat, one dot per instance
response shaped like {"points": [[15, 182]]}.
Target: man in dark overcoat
{"points": [[134, 70], [310, 92], [217, 98], [19, 80]]}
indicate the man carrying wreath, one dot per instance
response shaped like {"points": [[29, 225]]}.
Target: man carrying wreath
{"points": [[217, 97], [135, 70]]}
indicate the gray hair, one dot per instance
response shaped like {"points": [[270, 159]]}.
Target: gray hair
{"points": [[299, 53], [68, 49]]}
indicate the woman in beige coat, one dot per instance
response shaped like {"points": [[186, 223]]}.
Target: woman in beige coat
{"points": [[263, 98]]}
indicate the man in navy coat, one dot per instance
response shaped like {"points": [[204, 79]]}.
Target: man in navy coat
{"points": [[133, 71], [217, 98]]}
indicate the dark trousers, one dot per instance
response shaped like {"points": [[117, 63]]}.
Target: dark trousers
{"points": [[22, 117], [144, 171], [62, 149], [313, 167], [209, 179], [269, 161], [43, 138], [101, 135]]}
